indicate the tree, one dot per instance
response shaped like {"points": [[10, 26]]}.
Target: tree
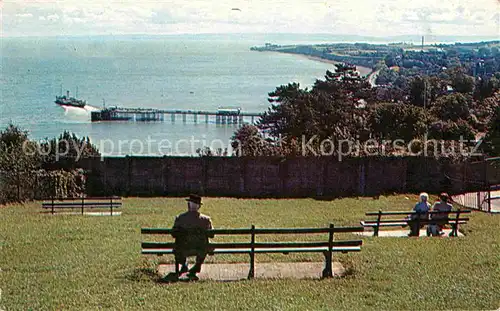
{"points": [[398, 121], [438, 87], [13, 137], [390, 94], [18, 161], [334, 109], [401, 82], [460, 81], [249, 141], [386, 76], [486, 88], [424, 90], [286, 109], [345, 81], [420, 92], [483, 110], [452, 107], [68, 149], [451, 131]]}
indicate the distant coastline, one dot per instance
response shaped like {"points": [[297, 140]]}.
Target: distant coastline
{"points": [[364, 60], [364, 71]]}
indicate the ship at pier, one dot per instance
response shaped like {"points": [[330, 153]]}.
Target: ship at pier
{"points": [[67, 100]]}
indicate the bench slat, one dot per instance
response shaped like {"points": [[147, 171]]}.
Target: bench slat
{"points": [[411, 212], [244, 231], [87, 199], [163, 245], [76, 207], [80, 204], [160, 251], [70, 207], [422, 221], [395, 224], [401, 224], [215, 231]]}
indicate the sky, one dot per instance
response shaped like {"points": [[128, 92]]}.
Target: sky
{"points": [[347, 17]]}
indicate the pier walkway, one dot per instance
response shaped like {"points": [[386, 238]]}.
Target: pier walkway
{"points": [[222, 116]]}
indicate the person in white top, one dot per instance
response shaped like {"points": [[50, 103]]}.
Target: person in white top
{"points": [[421, 208]]}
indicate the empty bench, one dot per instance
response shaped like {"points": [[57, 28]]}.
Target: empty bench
{"points": [[110, 203], [252, 247], [397, 219]]}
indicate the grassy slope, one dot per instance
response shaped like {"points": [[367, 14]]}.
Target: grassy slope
{"points": [[75, 262]]}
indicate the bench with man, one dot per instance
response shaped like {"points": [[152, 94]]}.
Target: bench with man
{"points": [[192, 232]]}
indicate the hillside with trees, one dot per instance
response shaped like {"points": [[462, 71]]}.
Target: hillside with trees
{"points": [[342, 111]]}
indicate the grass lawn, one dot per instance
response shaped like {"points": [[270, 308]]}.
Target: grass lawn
{"points": [[72, 262]]}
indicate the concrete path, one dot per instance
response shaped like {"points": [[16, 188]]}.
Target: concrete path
{"points": [[403, 233], [495, 201], [275, 270]]}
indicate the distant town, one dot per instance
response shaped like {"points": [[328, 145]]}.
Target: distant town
{"points": [[404, 58]]}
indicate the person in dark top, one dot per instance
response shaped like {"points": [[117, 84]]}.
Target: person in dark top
{"points": [[191, 239], [440, 219]]}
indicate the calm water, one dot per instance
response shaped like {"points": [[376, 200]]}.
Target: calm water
{"points": [[169, 73]]}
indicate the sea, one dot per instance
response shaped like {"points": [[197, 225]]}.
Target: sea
{"points": [[163, 72]]}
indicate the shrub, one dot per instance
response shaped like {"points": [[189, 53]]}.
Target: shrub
{"points": [[21, 175]]}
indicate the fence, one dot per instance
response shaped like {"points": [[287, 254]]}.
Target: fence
{"points": [[482, 186], [478, 200], [267, 176]]}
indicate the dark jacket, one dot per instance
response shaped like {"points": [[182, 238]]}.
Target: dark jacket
{"points": [[190, 233]]}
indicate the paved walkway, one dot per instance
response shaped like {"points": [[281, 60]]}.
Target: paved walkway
{"points": [[495, 201], [403, 233], [275, 270]]}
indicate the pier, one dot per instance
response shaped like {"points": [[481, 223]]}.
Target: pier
{"points": [[220, 116]]}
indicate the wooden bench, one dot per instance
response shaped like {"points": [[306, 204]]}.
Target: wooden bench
{"points": [[326, 247], [82, 203], [393, 219]]}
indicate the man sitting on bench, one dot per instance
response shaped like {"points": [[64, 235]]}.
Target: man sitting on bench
{"points": [[436, 228], [190, 237]]}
